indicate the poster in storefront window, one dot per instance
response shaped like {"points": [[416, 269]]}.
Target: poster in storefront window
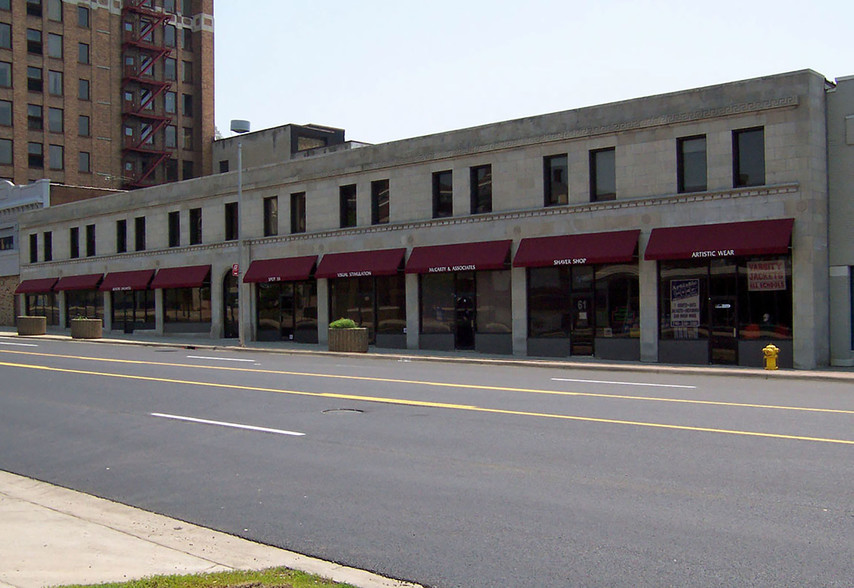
{"points": [[684, 303], [766, 276]]}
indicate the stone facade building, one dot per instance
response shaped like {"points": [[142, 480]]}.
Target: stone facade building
{"points": [[690, 227]]}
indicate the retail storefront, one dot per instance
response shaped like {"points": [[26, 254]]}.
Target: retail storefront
{"points": [[186, 298], [725, 292], [132, 301], [582, 295], [82, 296], [370, 288], [40, 299], [465, 296], [285, 298]]}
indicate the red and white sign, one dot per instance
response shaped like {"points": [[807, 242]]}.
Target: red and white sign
{"points": [[766, 276], [235, 270]]}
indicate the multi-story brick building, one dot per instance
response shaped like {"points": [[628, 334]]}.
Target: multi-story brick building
{"points": [[691, 227], [106, 93]]}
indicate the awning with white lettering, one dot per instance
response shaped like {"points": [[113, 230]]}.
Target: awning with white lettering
{"points": [[286, 269], [357, 264], [766, 237], [586, 249], [459, 257], [125, 281]]}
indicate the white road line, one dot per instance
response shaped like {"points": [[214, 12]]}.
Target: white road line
{"points": [[19, 344], [223, 424], [623, 383], [220, 358]]}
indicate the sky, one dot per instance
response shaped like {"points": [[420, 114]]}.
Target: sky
{"points": [[392, 69]]}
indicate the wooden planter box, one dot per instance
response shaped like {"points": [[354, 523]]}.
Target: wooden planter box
{"points": [[86, 328], [32, 325], [351, 340]]}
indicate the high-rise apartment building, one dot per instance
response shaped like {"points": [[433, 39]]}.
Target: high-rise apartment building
{"points": [[106, 93]]}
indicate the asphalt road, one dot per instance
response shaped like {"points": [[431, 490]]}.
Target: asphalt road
{"points": [[453, 475]]}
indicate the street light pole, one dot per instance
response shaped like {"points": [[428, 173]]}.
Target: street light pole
{"points": [[240, 127]]}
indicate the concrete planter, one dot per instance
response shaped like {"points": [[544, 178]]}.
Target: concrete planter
{"points": [[350, 340], [32, 325], [83, 328]]}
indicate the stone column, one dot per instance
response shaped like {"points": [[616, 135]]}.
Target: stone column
{"points": [[648, 286], [323, 311], [519, 309], [413, 315]]}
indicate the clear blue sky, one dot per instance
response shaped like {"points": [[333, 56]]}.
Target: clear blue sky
{"points": [[392, 69]]}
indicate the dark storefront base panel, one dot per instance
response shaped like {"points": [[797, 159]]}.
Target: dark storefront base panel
{"points": [[618, 349], [187, 328], [387, 341], [436, 341], [306, 335], [549, 347], [750, 353], [683, 351], [496, 343]]}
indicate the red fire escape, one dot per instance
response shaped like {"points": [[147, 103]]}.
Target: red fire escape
{"points": [[144, 118]]}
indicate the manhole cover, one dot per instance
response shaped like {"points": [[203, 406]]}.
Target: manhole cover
{"points": [[343, 411]]}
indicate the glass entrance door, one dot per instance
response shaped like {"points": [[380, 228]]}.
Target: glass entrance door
{"points": [[230, 306], [581, 335], [723, 338], [464, 310]]}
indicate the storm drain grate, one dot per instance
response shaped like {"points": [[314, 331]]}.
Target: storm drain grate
{"points": [[343, 411]]}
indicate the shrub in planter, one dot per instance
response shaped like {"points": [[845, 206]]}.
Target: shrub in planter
{"points": [[86, 328], [31, 325], [345, 335]]}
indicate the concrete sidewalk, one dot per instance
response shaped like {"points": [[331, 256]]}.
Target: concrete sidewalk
{"points": [[51, 536]]}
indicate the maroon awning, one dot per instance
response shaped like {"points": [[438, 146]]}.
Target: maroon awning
{"points": [[587, 249], [38, 286], [85, 282], [355, 264], [288, 269], [132, 280], [192, 276], [766, 237], [486, 255]]}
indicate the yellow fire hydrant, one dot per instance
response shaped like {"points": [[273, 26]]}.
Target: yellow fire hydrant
{"points": [[770, 352]]}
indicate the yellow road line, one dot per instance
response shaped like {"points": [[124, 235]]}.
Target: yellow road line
{"points": [[442, 384], [421, 403]]}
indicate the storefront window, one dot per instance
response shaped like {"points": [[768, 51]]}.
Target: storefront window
{"points": [[377, 303], [83, 303], [549, 301], [437, 303], [493, 309], [683, 288], [617, 301], [133, 306], [187, 305], [43, 305], [765, 298], [391, 305], [287, 310]]}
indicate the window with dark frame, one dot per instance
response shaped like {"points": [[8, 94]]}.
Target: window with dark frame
{"points": [[83, 125], [55, 120], [56, 157], [84, 163], [5, 74], [54, 83], [298, 213], [603, 174], [35, 155], [54, 45], [232, 222], [171, 170], [748, 157], [34, 41], [5, 35], [443, 194], [175, 228], [347, 205], [54, 10], [47, 245], [139, 233], [6, 113], [35, 117], [691, 164], [5, 151], [170, 35], [187, 169], [271, 216], [555, 180], [223, 166], [74, 242], [481, 189], [83, 53], [187, 104], [83, 89], [121, 236], [195, 226], [90, 240], [380, 202], [82, 16], [34, 7], [35, 81], [34, 248]]}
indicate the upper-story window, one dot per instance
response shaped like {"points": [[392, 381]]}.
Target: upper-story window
{"points": [[195, 226], [47, 245], [169, 35], [90, 240], [34, 41], [83, 16], [83, 53], [5, 151], [555, 180], [691, 164], [74, 242], [34, 248], [6, 74], [54, 45], [748, 157], [34, 7], [54, 10], [443, 194], [481, 189], [347, 205], [379, 202], [5, 4], [5, 35], [6, 113], [35, 155], [603, 174], [54, 83], [271, 216], [139, 233], [175, 228], [232, 221], [121, 236], [298, 212]]}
